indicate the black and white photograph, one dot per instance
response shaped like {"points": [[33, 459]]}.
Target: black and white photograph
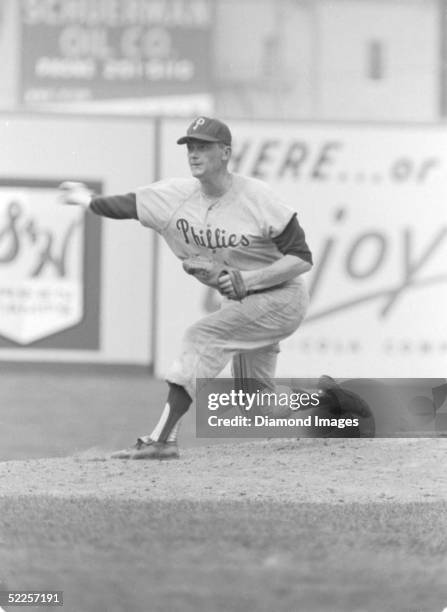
{"points": [[223, 296]]}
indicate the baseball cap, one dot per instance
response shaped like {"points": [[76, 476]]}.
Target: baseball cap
{"points": [[208, 129]]}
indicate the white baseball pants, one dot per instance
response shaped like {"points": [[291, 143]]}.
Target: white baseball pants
{"points": [[248, 332]]}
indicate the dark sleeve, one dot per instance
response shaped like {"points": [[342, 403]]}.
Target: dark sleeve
{"points": [[292, 241], [115, 207]]}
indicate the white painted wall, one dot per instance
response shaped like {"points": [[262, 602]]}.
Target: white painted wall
{"points": [[9, 52], [321, 63], [409, 34], [263, 58]]}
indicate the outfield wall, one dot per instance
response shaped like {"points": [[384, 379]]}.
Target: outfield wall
{"points": [[99, 307], [370, 197], [372, 200]]}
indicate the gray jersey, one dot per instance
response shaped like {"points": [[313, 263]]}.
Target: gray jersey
{"points": [[236, 228]]}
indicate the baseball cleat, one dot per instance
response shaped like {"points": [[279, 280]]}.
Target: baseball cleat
{"points": [[347, 400], [163, 450], [148, 450]]}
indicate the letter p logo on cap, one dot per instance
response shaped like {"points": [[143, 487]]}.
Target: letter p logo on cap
{"points": [[200, 121]]}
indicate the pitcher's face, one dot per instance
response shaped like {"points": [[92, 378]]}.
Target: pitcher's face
{"points": [[207, 158]]}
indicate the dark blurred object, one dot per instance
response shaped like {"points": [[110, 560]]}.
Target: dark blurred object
{"points": [[422, 409], [439, 395]]}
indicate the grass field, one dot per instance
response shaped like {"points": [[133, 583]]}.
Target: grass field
{"points": [[310, 525], [110, 555], [48, 412]]}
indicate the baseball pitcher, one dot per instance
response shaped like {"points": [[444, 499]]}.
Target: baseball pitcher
{"points": [[234, 234]]}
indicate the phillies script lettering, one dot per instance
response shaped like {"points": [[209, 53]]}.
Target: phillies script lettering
{"points": [[17, 233], [210, 238]]}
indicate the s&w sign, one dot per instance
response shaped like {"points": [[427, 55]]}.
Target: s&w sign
{"points": [[41, 263]]}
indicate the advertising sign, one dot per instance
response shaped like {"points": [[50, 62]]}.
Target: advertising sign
{"points": [[94, 275], [372, 202], [80, 51], [42, 268]]}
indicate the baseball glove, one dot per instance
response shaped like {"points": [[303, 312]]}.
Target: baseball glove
{"points": [[216, 275]]}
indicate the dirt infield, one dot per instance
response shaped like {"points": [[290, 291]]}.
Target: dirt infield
{"points": [[310, 470]]}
